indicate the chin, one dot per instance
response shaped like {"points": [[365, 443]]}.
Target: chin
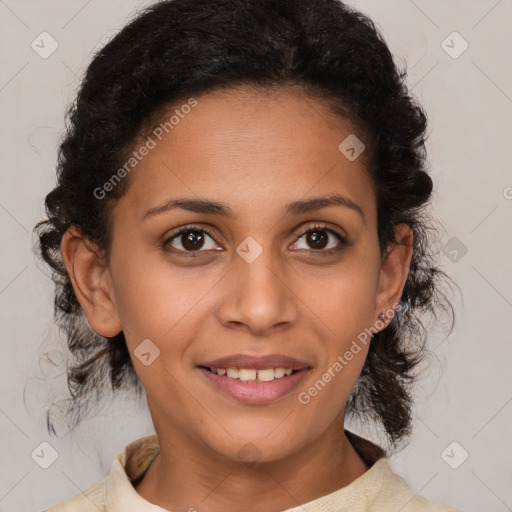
{"points": [[257, 448]]}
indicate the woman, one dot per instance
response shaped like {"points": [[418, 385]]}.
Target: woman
{"points": [[239, 230]]}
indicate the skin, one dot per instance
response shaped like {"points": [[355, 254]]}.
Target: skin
{"points": [[255, 151]]}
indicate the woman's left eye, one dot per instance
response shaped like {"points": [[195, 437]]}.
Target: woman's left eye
{"points": [[317, 237]]}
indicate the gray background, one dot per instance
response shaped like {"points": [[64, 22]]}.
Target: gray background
{"points": [[465, 395]]}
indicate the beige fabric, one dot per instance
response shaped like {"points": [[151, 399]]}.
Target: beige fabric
{"points": [[378, 490]]}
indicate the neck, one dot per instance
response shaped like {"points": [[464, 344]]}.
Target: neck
{"points": [[186, 475]]}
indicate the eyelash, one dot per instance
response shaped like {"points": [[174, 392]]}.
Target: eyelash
{"points": [[310, 228]]}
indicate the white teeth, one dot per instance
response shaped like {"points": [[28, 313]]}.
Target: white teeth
{"points": [[267, 375], [248, 374], [244, 374], [232, 373], [279, 372]]}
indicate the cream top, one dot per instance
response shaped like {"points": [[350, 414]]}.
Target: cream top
{"points": [[377, 490]]}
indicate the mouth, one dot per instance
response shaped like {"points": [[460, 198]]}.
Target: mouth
{"points": [[255, 380], [252, 374]]}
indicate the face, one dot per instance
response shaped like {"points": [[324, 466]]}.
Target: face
{"points": [[266, 276]]}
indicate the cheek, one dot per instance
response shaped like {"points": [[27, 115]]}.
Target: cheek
{"points": [[343, 304], [154, 299], [343, 296]]}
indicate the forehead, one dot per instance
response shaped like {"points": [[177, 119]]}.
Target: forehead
{"points": [[247, 146]]}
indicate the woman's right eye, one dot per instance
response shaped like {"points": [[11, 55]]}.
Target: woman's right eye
{"points": [[191, 239]]}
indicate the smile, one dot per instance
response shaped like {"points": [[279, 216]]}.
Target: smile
{"points": [[254, 386], [247, 375]]}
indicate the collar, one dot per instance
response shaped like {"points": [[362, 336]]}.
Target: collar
{"points": [[130, 465]]}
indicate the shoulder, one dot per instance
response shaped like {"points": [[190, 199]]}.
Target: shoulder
{"points": [[394, 494], [90, 500], [116, 489], [391, 491]]}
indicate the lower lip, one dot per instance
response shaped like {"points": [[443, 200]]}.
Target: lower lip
{"points": [[254, 392]]}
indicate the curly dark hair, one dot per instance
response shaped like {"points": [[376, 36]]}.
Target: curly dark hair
{"points": [[179, 48]]}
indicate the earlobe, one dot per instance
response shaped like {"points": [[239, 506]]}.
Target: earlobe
{"points": [[393, 273], [91, 282]]}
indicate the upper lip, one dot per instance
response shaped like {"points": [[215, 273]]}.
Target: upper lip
{"points": [[256, 362]]}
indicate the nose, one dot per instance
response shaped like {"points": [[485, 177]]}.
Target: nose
{"points": [[258, 296]]}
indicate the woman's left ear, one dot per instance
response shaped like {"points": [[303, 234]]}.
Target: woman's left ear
{"points": [[393, 273]]}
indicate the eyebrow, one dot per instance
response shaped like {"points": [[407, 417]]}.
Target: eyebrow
{"points": [[210, 207]]}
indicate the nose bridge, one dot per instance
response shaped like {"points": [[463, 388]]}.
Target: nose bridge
{"points": [[256, 269], [257, 295]]}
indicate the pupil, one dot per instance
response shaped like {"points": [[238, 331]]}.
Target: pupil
{"points": [[193, 240], [319, 241]]}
